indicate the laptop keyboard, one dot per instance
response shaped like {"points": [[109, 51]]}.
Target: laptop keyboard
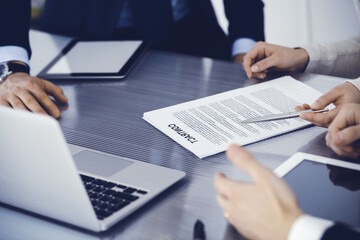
{"points": [[109, 197]]}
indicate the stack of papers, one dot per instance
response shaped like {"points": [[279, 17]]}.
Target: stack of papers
{"points": [[209, 125]]}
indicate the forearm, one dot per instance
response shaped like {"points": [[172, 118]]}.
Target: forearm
{"points": [[337, 59]]}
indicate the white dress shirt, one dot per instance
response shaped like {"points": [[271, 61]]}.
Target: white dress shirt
{"points": [[14, 53], [309, 228], [339, 59]]}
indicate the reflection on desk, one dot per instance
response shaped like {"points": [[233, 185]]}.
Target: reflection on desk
{"points": [[106, 116]]}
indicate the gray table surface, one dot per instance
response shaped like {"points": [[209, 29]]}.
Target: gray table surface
{"points": [[107, 116]]}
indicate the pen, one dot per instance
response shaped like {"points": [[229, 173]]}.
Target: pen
{"points": [[281, 116], [199, 231]]}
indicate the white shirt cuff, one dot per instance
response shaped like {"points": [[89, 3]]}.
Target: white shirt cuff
{"points": [[309, 228], [242, 45], [355, 82], [14, 53]]}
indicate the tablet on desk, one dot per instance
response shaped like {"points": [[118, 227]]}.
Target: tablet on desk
{"points": [[324, 187], [95, 60]]}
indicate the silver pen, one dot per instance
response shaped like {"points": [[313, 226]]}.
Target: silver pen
{"points": [[281, 116]]}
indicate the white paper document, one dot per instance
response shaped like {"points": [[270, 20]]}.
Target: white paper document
{"points": [[208, 125]]}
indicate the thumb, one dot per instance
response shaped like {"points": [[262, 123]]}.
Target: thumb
{"points": [[324, 100], [263, 64], [245, 161]]}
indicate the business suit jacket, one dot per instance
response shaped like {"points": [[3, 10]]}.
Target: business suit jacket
{"points": [[93, 19], [340, 231], [15, 23]]}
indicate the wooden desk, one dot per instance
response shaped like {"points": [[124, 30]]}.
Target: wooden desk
{"points": [[107, 116]]}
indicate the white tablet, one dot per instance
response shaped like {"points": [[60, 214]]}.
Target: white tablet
{"points": [[324, 187]]}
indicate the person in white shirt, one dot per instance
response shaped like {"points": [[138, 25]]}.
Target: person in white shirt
{"points": [[267, 208], [182, 26]]}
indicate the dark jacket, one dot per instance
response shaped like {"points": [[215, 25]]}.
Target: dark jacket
{"points": [[97, 19], [15, 23]]}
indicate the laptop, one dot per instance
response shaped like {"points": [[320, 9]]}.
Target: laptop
{"points": [[93, 190]]}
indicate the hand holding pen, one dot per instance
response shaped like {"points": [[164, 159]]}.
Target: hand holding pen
{"points": [[339, 95]]}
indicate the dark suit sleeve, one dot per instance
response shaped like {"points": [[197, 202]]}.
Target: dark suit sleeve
{"points": [[340, 231], [246, 19], [15, 23]]}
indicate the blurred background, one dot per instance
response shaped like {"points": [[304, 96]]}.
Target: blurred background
{"points": [[289, 22]]}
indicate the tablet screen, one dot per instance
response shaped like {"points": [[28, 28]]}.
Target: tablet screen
{"points": [[95, 57], [327, 191]]}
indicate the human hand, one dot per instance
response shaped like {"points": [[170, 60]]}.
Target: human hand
{"points": [[344, 132], [22, 91], [265, 56], [239, 58], [264, 209], [339, 95]]}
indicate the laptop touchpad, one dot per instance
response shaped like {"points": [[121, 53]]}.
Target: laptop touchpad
{"points": [[99, 164]]}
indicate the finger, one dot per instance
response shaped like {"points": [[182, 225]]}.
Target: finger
{"points": [[261, 75], [299, 108], [345, 118], [54, 91], [222, 202], [4, 103], [345, 151], [46, 102], [347, 136], [224, 186], [30, 102], [324, 100], [256, 52], [245, 161], [16, 103], [264, 64], [320, 119], [305, 106]]}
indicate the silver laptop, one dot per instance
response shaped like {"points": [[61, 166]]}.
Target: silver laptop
{"points": [[43, 174]]}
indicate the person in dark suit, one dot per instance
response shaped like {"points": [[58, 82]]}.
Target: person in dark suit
{"points": [[17, 88], [184, 26]]}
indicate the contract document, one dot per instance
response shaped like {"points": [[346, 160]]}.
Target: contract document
{"points": [[208, 125]]}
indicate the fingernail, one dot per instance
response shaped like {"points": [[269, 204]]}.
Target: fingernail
{"points": [[315, 105], [254, 68], [303, 116], [55, 113]]}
